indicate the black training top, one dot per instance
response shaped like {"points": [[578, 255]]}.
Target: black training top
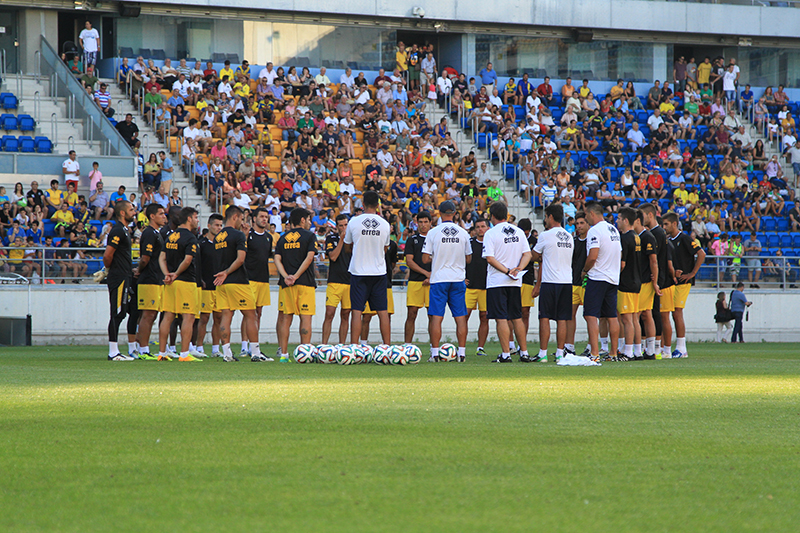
{"points": [[151, 244], [414, 246], [649, 247], [630, 276], [259, 250], [293, 247], [338, 270], [578, 260], [208, 263], [227, 243], [683, 254], [121, 267], [181, 243], [476, 268]]}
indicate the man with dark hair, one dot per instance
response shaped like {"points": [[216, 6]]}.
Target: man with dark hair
{"points": [[208, 296], [233, 286], [507, 252], [294, 259], [177, 260], [578, 261], [648, 268], [553, 250], [419, 276], [259, 250], [528, 283], [476, 283], [663, 303], [119, 268], [687, 259], [338, 290], [150, 286], [629, 283]]}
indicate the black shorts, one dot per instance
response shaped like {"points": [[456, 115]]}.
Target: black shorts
{"points": [[119, 296], [368, 290], [555, 301], [504, 303], [600, 300]]}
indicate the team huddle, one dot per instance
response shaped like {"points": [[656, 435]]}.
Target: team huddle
{"points": [[630, 279]]}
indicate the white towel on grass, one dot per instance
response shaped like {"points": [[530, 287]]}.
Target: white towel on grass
{"points": [[576, 360]]}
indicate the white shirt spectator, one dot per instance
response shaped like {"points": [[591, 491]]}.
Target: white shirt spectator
{"points": [[384, 158], [728, 81], [90, 38], [606, 238], [555, 245], [346, 80], [448, 245], [789, 140], [495, 100], [269, 75], [532, 103], [445, 85], [399, 126], [507, 244], [226, 88], [183, 87], [369, 235], [635, 138], [71, 166], [191, 133], [654, 122], [349, 187]]}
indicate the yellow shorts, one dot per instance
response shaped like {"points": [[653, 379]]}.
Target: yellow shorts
{"points": [[260, 293], [627, 302], [297, 300], [527, 296], [667, 302], [476, 298], [235, 297], [389, 304], [417, 294], [150, 297], [199, 301], [577, 295], [208, 301], [680, 294], [336, 294], [646, 295], [181, 297]]}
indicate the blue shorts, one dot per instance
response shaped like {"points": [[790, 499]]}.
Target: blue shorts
{"points": [[600, 299], [368, 289], [451, 293], [555, 301]]}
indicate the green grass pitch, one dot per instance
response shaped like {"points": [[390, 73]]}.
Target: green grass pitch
{"points": [[706, 444]]}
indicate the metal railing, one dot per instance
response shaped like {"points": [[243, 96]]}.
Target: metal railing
{"points": [[783, 272], [3, 65]]}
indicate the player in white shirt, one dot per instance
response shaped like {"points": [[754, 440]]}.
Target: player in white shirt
{"points": [[554, 283], [448, 248], [367, 238], [90, 42], [603, 261], [507, 252]]}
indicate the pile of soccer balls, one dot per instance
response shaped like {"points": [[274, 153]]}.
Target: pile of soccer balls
{"points": [[356, 354]]}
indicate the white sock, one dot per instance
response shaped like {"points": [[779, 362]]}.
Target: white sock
{"points": [[542, 353], [651, 345], [254, 349], [628, 350], [245, 346], [657, 346], [113, 349], [480, 347], [637, 350], [559, 353], [680, 344], [144, 349], [435, 352], [511, 346], [174, 348], [226, 350], [505, 355], [199, 348], [569, 347], [184, 354], [604, 341], [620, 344], [285, 355], [215, 348], [131, 347], [462, 351]]}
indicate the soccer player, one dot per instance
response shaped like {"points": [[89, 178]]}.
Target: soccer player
{"points": [[177, 260], [507, 252], [629, 282], [294, 259], [233, 287], [208, 296], [663, 303], [151, 279], [259, 250], [448, 250], [578, 262], [366, 316], [528, 282], [687, 259], [119, 267], [338, 290], [649, 277], [553, 250], [367, 238], [476, 283], [419, 276], [603, 260]]}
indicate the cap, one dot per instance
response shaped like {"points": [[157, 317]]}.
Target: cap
{"points": [[447, 207]]}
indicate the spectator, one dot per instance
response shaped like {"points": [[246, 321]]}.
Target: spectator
{"points": [[739, 304], [128, 129], [99, 202], [752, 251], [71, 169], [116, 196]]}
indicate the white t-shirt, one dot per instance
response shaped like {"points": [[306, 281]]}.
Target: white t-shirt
{"points": [[506, 243], [71, 166], [555, 245], [605, 237], [728, 80], [384, 158], [369, 235], [90, 38], [270, 75], [449, 245]]}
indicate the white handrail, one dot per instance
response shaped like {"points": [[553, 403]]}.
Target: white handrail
{"points": [[3, 63], [19, 86], [70, 143], [37, 66], [184, 195], [37, 106], [54, 88], [54, 128]]}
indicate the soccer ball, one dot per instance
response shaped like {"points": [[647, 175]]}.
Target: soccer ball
{"points": [[326, 354], [363, 354], [381, 354], [398, 355], [447, 353], [414, 353], [305, 353], [346, 355]]}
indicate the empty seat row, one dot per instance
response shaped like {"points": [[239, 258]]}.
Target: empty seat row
{"points": [[8, 101], [26, 144], [10, 122]]}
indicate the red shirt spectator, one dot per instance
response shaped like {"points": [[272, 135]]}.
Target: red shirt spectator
{"points": [[655, 180], [283, 184], [287, 122], [545, 89]]}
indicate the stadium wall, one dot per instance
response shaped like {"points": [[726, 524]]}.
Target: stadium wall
{"points": [[80, 316]]}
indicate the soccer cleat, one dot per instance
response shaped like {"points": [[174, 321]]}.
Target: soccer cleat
{"points": [[120, 357], [607, 358], [216, 354], [679, 355], [134, 354], [648, 356], [230, 359], [515, 352], [284, 359], [501, 359], [532, 359], [462, 358], [570, 351], [638, 358], [164, 357], [146, 356], [260, 358], [243, 354], [666, 355], [480, 351], [197, 353], [603, 354], [189, 359], [621, 357], [433, 359], [587, 352]]}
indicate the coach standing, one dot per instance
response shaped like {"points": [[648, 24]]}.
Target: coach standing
{"points": [[117, 260], [448, 248], [507, 252], [603, 261], [554, 282]]}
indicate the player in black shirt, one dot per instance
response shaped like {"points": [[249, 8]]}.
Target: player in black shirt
{"points": [[419, 276], [663, 303], [338, 290], [177, 261], [150, 286], [649, 277], [687, 259], [578, 261], [528, 282], [259, 251], [208, 296], [629, 281], [233, 286], [476, 283], [119, 268], [294, 259]]}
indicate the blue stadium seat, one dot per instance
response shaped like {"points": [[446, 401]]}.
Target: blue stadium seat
{"points": [[8, 122], [762, 238], [769, 224], [796, 240], [8, 101], [43, 145], [786, 240], [787, 252], [10, 143], [783, 223], [26, 123], [26, 144], [773, 240]]}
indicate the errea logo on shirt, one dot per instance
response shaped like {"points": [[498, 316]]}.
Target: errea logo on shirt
{"points": [[512, 235], [450, 232], [370, 224]]}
